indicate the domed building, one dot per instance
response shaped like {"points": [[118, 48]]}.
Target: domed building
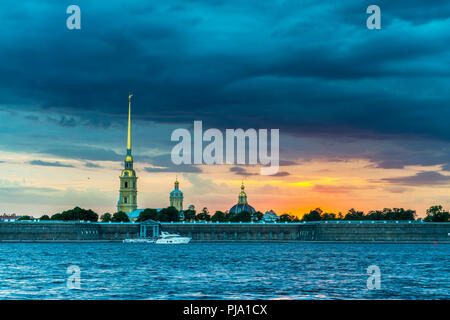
{"points": [[176, 197], [242, 204]]}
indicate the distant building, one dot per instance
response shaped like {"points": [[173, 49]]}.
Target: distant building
{"points": [[176, 197], [270, 216], [133, 215], [242, 204], [128, 188], [10, 217]]}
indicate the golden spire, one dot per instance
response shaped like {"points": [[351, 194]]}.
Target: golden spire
{"points": [[129, 122], [242, 195]]}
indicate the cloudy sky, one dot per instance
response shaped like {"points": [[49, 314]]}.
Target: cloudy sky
{"points": [[363, 114]]}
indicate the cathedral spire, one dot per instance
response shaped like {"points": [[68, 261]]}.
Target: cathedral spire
{"points": [[176, 183], [129, 125], [128, 187], [242, 195]]}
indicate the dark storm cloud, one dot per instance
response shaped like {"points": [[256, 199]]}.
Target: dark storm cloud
{"points": [[281, 174], [240, 171], [181, 168], [163, 163], [84, 153], [309, 68], [64, 121], [426, 178], [405, 10], [50, 164], [412, 153]]}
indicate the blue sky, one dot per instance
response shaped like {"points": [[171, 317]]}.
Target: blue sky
{"points": [[337, 91]]}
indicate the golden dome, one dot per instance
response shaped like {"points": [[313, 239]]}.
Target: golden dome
{"points": [[129, 159]]}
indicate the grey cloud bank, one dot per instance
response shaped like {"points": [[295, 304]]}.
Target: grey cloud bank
{"points": [[310, 68]]}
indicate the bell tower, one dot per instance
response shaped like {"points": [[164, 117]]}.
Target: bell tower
{"points": [[128, 180], [176, 197]]}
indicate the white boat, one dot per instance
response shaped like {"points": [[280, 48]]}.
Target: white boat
{"points": [[139, 240], [171, 238]]}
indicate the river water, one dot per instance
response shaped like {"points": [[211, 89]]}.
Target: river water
{"points": [[222, 271]]}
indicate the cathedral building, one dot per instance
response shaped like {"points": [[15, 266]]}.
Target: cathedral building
{"points": [[242, 204], [128, 187], [176, 197]]}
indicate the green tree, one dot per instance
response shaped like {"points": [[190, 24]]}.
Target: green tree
{"points": [[76, 213], [286, 218], [437, 214], [243, 216], [409, 215], [120, 217], [26, 218], [162, 217], [375, 215], [313, 215], [147, 214], [106, 217], [204, 215], [388, 214], [258, 215], [44, 217], [402, 214], [57, 216], [218, 216], [189, 215], [352, 214], [328, 216], [169, 214]]}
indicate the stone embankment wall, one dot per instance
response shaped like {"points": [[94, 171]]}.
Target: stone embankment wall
{"points": [[66, 231], [328, 232], [366, 232]]}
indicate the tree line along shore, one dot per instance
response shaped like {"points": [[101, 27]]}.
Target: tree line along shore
{"points": [[433, 214]]}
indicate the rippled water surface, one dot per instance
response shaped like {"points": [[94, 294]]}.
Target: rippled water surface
{"points": [[223, 271]]}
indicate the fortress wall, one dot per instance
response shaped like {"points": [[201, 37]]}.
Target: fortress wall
{"points": [[118, 231], [389, 232], [327, 232], [66, 231], [31, 231], [241, 232]]}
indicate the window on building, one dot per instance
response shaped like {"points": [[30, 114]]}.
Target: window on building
{"points": [[126, 184], [125, 200]]}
